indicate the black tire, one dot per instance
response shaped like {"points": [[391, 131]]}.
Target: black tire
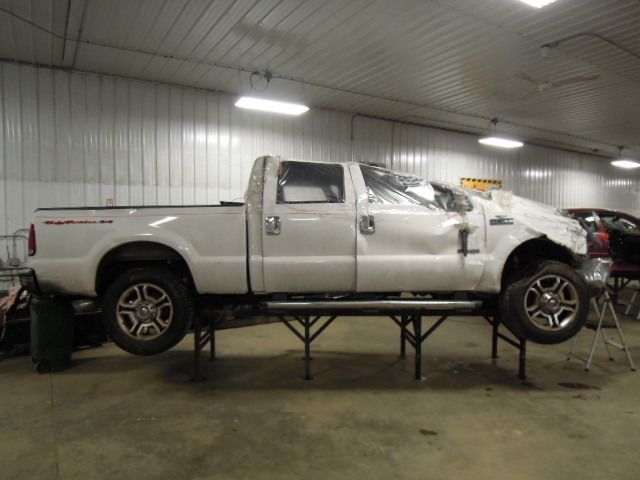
{"points": [[547, 302], [139, 319]]}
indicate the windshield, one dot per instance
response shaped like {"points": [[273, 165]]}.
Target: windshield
{"points": [[386, 187]]}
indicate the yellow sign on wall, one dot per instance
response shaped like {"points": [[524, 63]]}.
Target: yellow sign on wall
{"points": [[480, 184]]}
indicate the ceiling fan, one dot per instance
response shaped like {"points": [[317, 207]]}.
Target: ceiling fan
{"points": [[546, 84]]}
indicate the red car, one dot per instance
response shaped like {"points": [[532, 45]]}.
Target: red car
{"points": [[615, 234]]}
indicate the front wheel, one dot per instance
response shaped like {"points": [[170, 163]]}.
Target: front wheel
{"points": [[546, 303], [147, 311]]}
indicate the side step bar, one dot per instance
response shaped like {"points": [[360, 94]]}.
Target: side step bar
{"points": [[368, 305]]}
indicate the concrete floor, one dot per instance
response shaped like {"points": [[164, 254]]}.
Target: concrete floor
{"points": [[117, 416]]}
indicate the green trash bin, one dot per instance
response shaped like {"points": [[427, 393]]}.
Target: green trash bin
{"points": [[51, 333]]}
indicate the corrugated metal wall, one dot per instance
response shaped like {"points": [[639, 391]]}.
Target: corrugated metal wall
{"points": [[71, 139], [556, 177]]}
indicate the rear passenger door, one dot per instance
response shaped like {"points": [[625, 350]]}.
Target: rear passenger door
{"points": [[308, 228]]}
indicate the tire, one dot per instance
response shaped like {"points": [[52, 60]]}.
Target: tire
{"points": [[547, 302], [147, 311]]}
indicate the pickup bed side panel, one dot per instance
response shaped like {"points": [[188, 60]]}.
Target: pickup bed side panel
{"points": [[71, 244]]}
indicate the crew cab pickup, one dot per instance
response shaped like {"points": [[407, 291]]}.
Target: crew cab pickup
{"points": [[309, 230]]}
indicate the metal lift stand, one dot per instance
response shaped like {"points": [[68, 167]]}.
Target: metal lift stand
{"points": [[410, 332], [516, 342], [203, 335], [306, 336]]}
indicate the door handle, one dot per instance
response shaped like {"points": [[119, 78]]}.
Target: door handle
{"points": [[272, 225], [367, 224]]}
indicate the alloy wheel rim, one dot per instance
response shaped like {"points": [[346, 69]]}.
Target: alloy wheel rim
{"points": [[144, 311], [551, 302]]}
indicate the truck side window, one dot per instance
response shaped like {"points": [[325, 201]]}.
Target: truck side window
{"points": [[303, 182], [386, 187]]}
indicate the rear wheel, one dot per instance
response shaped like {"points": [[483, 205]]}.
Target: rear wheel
{"points": [[147, 311], [547, 302]]}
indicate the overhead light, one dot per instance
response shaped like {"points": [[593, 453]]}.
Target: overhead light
{"points": [[253, 103], [628, 164], [538, 3], [500, 142]]}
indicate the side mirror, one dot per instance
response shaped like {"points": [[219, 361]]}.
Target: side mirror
{"points": [[461, 202]]}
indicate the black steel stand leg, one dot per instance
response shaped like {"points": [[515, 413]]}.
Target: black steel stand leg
{"points": [[197, 348], [494, 339], [307, 348], [417, 329], [403, 336], [522, 368], [212, 342], [516, 342]]}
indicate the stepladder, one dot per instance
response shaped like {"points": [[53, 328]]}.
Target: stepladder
{"points": [[603, 304]]}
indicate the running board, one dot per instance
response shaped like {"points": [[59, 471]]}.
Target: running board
{"points": [[368, 305]]}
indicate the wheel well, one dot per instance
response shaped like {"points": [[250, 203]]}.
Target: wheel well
{"points": [[140, 254], [535, 250]]}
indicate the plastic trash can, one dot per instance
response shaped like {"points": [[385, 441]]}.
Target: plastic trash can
{"points": [[52, 326]]}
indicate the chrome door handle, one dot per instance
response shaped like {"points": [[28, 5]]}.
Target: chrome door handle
{"points": [[367, 224], [272, 225]]}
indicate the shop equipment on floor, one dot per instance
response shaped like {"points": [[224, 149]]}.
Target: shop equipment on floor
{"points": [[602, 302]]}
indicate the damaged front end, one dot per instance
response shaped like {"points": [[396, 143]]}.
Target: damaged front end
{"points": [[544, 221]]}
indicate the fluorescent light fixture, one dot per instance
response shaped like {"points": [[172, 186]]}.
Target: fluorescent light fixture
{"points": [[273, 106], [500, 142], [628, 164], [538, 3]]}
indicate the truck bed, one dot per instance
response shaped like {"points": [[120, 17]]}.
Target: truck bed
{"points": [[72, 242]]}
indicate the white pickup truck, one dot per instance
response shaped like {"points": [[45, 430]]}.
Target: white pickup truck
{"points": [[315, 230]]}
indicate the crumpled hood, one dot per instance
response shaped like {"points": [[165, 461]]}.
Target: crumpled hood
{"points": [[542, 219]]}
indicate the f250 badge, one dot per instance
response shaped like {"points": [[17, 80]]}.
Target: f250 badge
{"points": [[501, 220]]}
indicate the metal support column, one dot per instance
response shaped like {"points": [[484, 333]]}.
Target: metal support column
{"points": [[203, 335], [516, 342], [416, 338], [416, 320], [522, 366], [306, 323], [306, 336], [404, 319], [495, 325]]}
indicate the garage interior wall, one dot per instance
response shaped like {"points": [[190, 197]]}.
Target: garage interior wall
{"points": [[72, 139]]}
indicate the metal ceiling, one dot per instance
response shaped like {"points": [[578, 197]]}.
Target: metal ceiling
{"points": [[449, 63]]}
